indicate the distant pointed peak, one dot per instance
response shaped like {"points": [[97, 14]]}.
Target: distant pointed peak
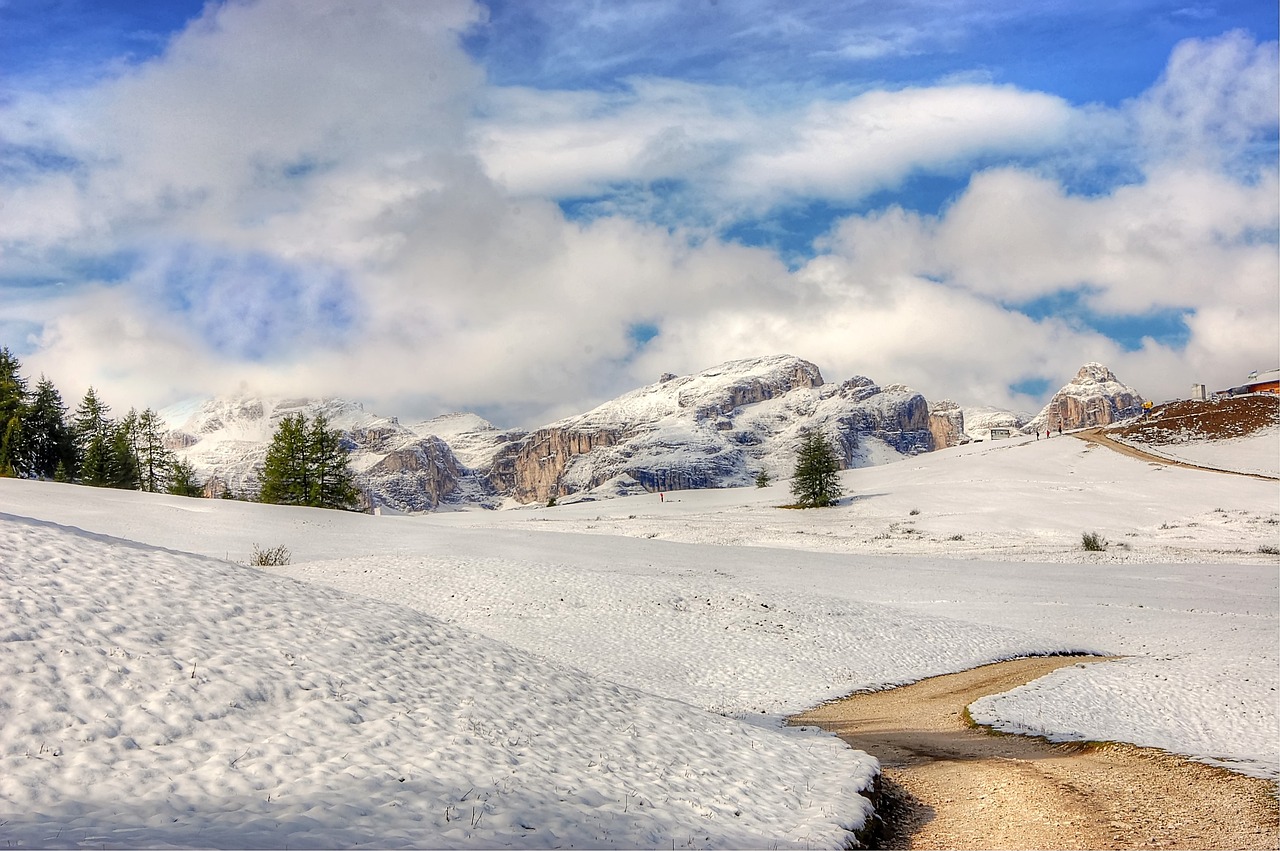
{"points": [[1095, 373]]}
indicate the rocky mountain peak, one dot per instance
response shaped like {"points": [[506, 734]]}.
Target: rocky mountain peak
{"points": [[1095, 373], [1094, 397]]}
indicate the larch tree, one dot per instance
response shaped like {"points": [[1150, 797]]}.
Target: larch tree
{"points": [[92, 430], [816, 483], [13, 408], [307, 465], [48, 442], [155, 462]]}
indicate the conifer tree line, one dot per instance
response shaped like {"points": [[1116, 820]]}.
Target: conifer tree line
{"points": [[41, 439]]}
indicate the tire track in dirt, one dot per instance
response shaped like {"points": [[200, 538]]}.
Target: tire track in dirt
{"points": [[949, 785]]}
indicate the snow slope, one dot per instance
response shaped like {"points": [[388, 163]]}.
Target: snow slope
{"points": [[154, 698], [714, 600]]}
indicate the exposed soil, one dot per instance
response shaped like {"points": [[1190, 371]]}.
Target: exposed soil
{"points": [[1188, 420], [949, 785]]}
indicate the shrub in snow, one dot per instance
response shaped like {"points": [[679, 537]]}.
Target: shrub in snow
{"points": [[1093, 542], [271, 557]]}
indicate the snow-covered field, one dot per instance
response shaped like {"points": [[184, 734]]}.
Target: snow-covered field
{"points": [[1257, 453], [609, 673]]}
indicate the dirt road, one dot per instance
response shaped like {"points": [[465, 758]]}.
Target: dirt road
{"points": [[1095, 435], [951, 786]]}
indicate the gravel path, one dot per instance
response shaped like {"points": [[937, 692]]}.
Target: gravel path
{"points": [[948, 785]]}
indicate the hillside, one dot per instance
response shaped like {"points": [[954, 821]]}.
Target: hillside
{"points": [[1239, 433]]}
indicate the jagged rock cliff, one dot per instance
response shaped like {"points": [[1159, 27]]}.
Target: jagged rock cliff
{"points": [[946, 424], [1095, 397], [717, 428]]}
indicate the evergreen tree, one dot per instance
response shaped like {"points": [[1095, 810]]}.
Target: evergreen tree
{"points": [[11, 447], [47, 443], [332, 485], [815, 483], [13, 404], [155, 462], [182, 479], [307, 465], [122, 456], [92, 431], [286, 473]]}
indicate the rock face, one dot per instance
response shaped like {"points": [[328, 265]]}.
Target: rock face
{"points": [[717, 428], [1095, 397], [226, 441], [946, 424]]}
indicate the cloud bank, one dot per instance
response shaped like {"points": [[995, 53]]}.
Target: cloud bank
{"points": [[321, 198]]}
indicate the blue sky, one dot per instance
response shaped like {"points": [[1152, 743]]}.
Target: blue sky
{"points": [[523, 208]]}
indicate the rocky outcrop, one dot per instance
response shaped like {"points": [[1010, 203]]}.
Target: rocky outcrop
{"points": [[415, 477], [717, 428], [531, 469], [946, 424], [1095, 397], [226, 441]]}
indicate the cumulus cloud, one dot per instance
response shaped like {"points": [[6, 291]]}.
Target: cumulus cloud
{"points": [[296, 199], [1216, 99]]}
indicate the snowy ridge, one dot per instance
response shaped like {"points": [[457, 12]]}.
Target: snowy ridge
{"points": [[226, 441], [718, 428], [980, 419], [473, 439]]}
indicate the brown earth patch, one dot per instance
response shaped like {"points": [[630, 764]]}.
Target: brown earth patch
{"points": [[948, 785], [1189, 420]]}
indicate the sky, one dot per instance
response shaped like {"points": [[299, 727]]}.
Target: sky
{"points": [[524, 209]]}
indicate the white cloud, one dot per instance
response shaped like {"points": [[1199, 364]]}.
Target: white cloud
{"points": [[288, 169], [1215, 98], [850, 149]]}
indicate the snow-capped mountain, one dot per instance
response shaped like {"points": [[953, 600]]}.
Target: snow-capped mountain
{"points": [[1095, 397], [717, 428], [721, 427], [979, 420], [226, 441]]}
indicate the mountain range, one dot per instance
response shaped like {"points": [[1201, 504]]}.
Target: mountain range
{"points": [[721, 427]]}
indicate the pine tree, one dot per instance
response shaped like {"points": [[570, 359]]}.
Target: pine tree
{"points": [[47, 443], [155, 462], [815, 483], [308, 466], [122, 456], [332, 485], [182, 479], [11, 447], [286, 473], [92, 431], [13, 405]]}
